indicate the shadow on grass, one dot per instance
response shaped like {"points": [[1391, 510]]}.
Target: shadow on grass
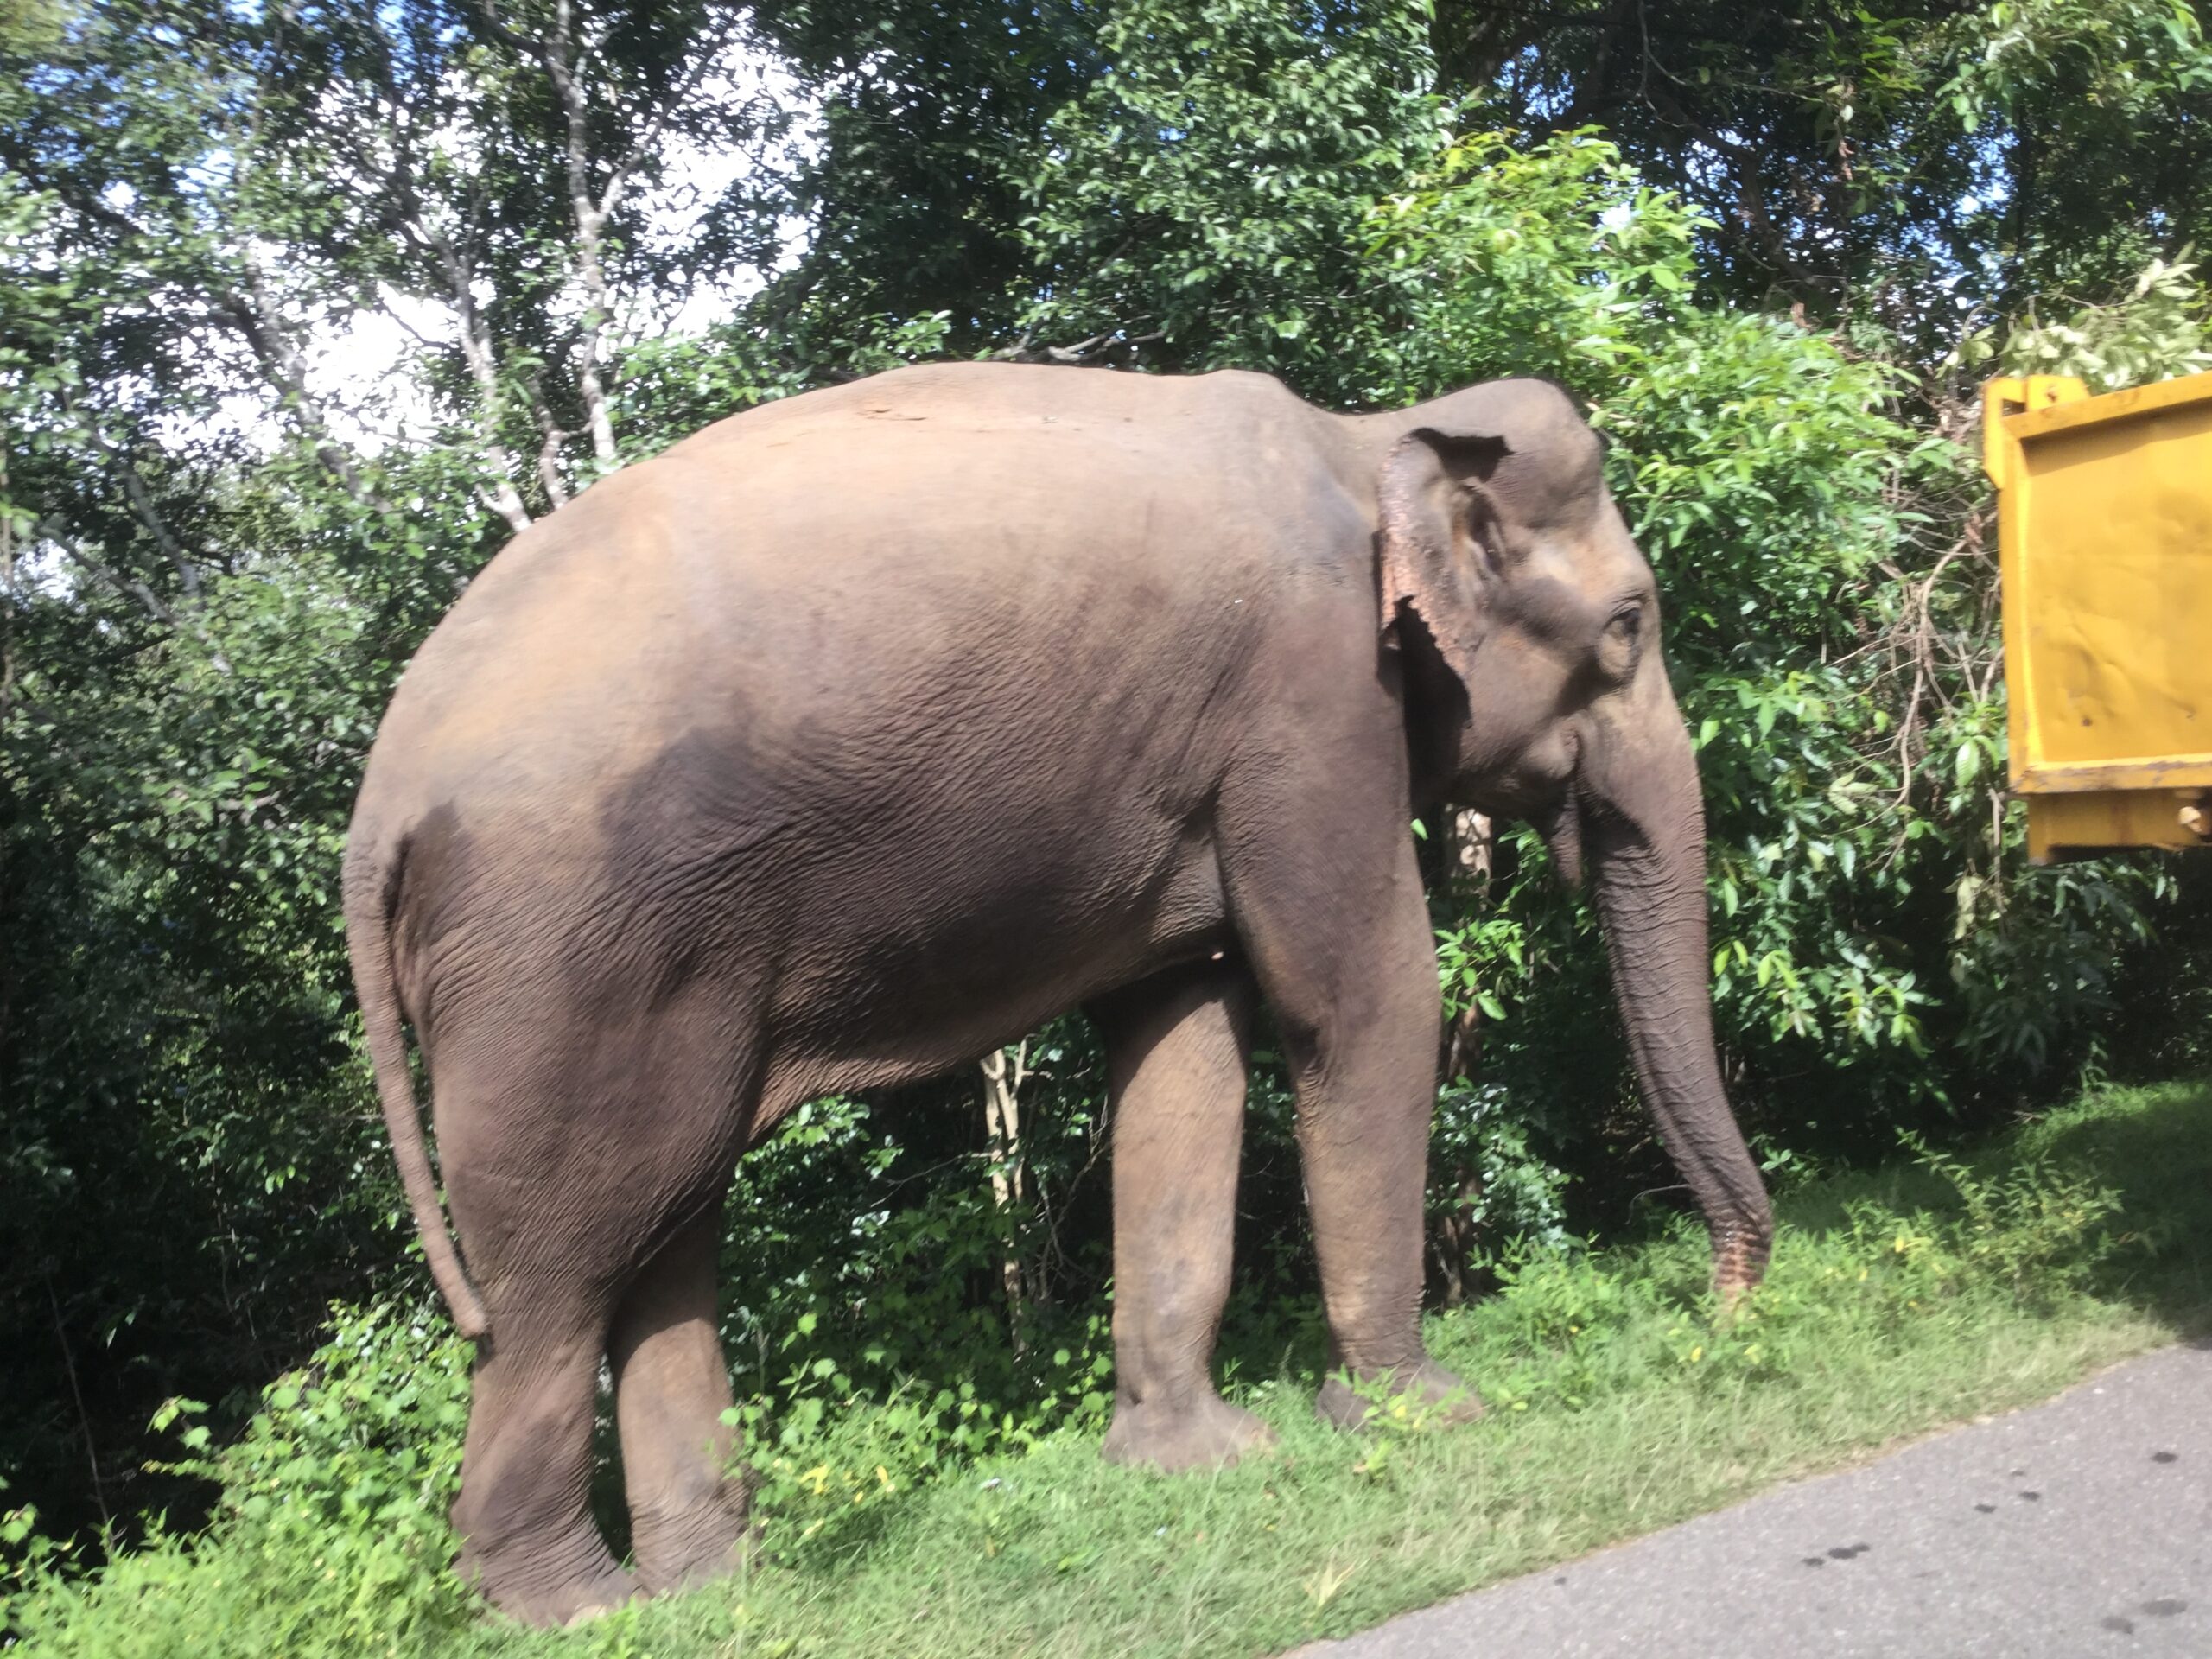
{"points": [[2151, 1148], [2155, 1152]]}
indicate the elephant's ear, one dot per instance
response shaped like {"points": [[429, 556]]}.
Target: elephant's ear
{"points": [[1440, 552]]}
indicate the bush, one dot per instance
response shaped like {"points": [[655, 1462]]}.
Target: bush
{"points": [[330, 1532]]}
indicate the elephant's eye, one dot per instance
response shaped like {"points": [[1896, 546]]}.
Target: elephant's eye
{"points": [[1616, 648]]}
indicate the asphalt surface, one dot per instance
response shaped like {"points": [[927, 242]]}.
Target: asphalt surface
{"points": [[2082, 1528]]}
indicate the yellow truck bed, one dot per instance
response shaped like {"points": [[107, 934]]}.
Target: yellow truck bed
{"points": [[2105, 539]]}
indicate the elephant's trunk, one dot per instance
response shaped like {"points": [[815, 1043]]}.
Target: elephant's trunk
{"points": [[1640, 823]]}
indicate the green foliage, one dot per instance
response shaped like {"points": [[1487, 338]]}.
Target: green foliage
{"points": [[932, 121], [330, 1534], [1199, 203], [1551, 256], [2032, 1228], [1926, 169], [351, 1465], [1504, 1192], [888, 1312], [2160, 327], [829, 1459], [866, 1319], [2022, 1229]]}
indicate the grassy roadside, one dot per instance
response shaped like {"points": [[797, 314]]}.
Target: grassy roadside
{"points": [[1897, 1303]]}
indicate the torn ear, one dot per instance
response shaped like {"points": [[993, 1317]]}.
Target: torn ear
{"points": [[1437, 542]]}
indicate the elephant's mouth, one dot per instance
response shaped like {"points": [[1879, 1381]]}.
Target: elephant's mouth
{"points": [[1549, 799], [1559, 823]]}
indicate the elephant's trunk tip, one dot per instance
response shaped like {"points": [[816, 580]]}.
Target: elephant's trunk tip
{"points": [[1740, 1252]]}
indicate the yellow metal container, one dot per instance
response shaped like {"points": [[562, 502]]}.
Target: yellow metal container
{"points": [[2105, 539]]}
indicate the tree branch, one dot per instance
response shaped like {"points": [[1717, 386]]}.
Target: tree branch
{"points": [[498, 492], [254, 312], [560, 54], [51, 530], [142, 508], [549, 454]]}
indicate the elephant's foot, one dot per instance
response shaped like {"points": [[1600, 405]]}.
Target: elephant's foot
{"points": [[1441, 1398], [679, 1548], [1206, 1433], [538, 1590]]}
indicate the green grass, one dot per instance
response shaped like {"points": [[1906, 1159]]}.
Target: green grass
{"points": [[1620, 1400]]}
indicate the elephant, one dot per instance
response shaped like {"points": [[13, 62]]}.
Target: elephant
{"points": [[864, 731]]}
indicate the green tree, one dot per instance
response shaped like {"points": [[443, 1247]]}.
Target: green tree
{"points": [[1772, 252], [1929, 165]]}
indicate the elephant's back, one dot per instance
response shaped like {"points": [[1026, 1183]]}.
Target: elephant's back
{"points": [[536, 676], [922, 467], [958, 561]]}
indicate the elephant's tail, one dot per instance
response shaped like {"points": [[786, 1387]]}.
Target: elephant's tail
{"points": [[368, 935]]}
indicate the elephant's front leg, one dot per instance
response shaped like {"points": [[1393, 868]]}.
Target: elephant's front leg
{"points": [[1176, 1047], [1343, 952]]}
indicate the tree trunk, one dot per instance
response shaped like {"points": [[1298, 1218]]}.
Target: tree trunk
{"points": [[1004, 1073]]}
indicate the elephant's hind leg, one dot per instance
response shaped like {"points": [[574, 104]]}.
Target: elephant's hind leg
{"points": [[1176, 1047], [585, 1167], [671, 1387], [529, 1542]]}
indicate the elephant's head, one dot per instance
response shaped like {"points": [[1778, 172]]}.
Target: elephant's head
{"points": [[1530, 626]]}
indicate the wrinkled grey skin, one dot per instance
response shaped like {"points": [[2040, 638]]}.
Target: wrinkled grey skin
{"points": [[865, 731]]}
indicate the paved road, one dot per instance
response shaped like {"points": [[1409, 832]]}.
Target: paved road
{"points": [[2075, 1530]]}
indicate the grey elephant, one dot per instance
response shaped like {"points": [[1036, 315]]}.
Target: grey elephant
{"points": [[865, 731]]}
